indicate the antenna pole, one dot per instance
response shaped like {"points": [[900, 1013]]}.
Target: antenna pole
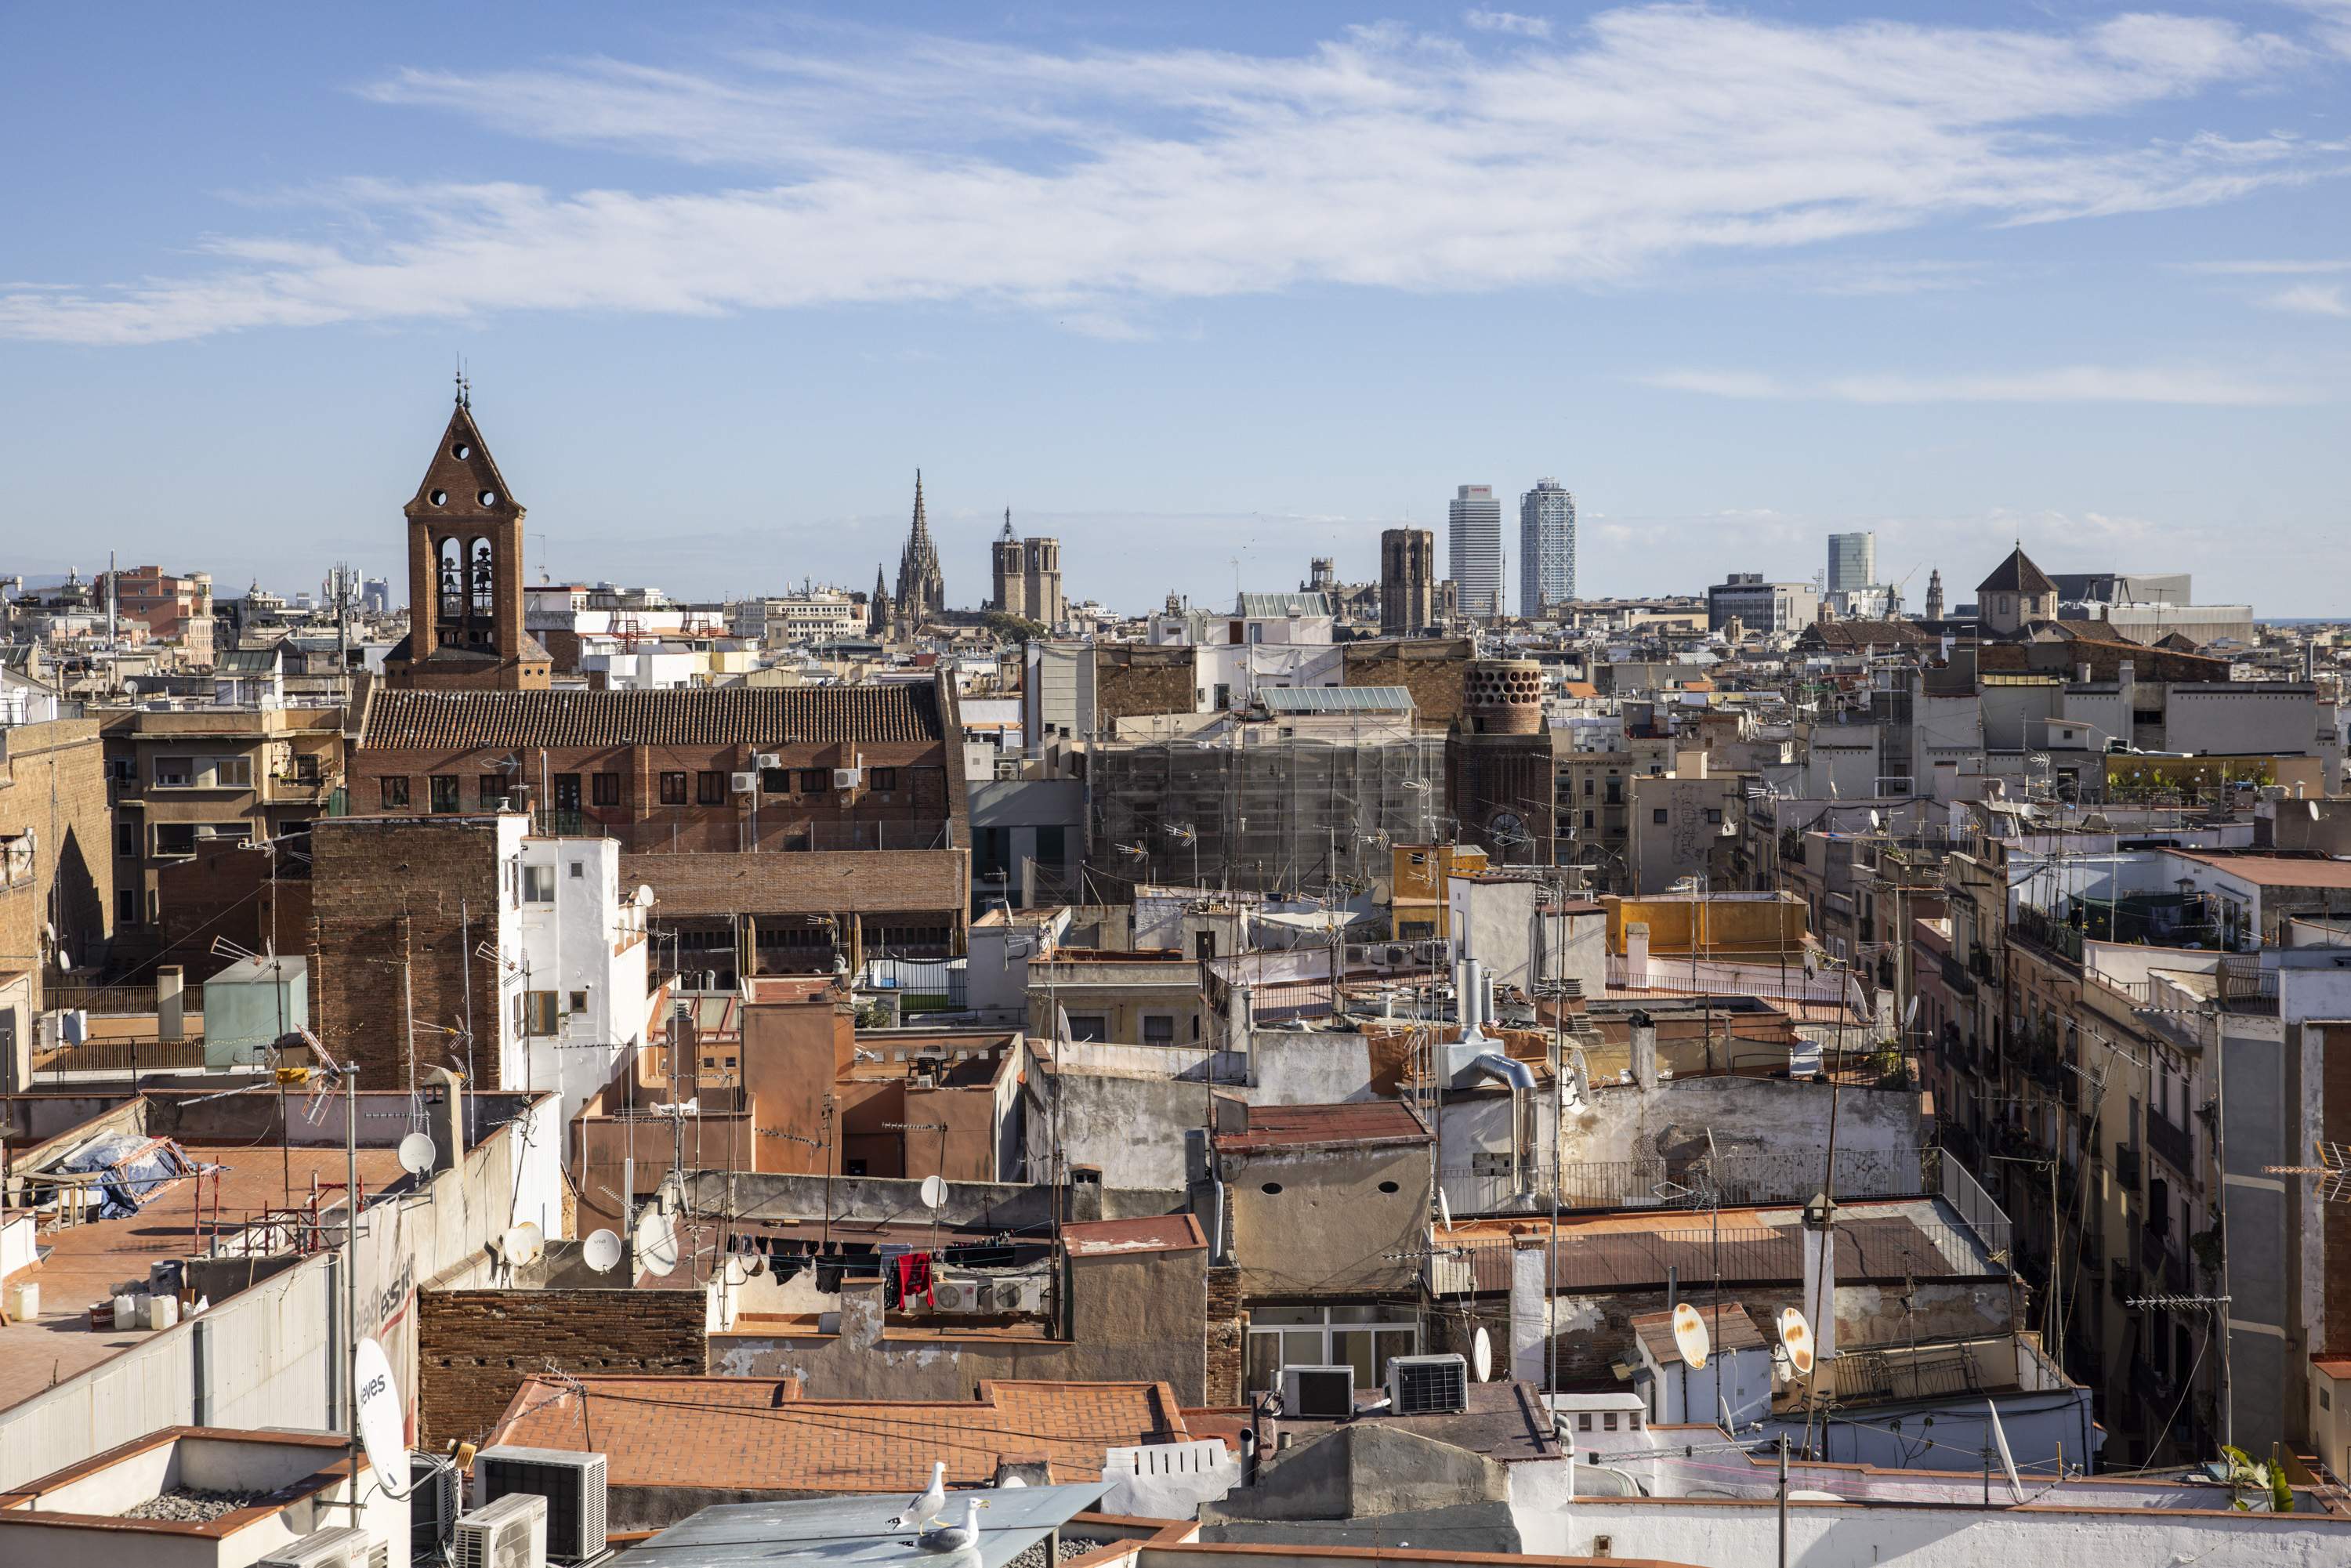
{"points": [[352, 1273]]}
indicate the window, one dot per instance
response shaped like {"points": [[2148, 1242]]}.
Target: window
{"points": [[1659, 816], [710, 788], [1583, 1420], [535, 1012], [579, 871], [1587, 786], [126, 912], [121, 769], [672, 789], [567, 792], [1587, 820], [395, 791], [232, 772], [775, 780], [539, 886], [813, 781], [1089, 1026], [175, 772], [176, 837], [306, 768], [884, 780], [1615, 791], [1714, 815], [492, 792], [605, 789], [1363, 1337], [1608, 1420], [445, 792], [1159, 1029], [579, 1002], [126, 837]]}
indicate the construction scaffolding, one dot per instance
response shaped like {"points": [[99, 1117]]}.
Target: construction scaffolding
{"points": [[1292, 816]]}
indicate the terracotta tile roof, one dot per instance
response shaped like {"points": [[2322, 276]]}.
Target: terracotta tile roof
{"points": [[1304, 1127], [2277, 871], [748, 1435], [1730, 1329], [904, 713], [1117, 1237]]}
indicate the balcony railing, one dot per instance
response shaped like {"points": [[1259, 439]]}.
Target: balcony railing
{"points": [[2174, 1145], [2127, 1166]]}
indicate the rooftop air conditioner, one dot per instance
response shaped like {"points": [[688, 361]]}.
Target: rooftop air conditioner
{"points": [[960, 1293], [744, 783], [1318, 1392], [571, 1482], [510, 1533], [847, 777], [765, 761], [338, 1548], [1428, 1384], [1016, 1293]]}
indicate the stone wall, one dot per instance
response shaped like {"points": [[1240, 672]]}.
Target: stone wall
{"points": [[53, 786], [1227, 1338], [1434, 669], [1132, 682], [474, 1348]]}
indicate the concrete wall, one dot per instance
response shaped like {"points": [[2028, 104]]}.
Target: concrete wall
{"points": [[1758, 1116], [1340, 1210]]}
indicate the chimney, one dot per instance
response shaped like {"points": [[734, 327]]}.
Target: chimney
{"points": [[171, 1011], [1637, 952], [1529, 1321], [1644, 1051], [446, 1122], [1820, 1273]]}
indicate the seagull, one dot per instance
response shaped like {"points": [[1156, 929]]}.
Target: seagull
{"points": [[925, 1505], [955, 1537]]}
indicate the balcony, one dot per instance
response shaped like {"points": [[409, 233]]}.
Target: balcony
{"points": [[1956, 978], [2165, 1268], [2176, 1146], [2127, 1166]]}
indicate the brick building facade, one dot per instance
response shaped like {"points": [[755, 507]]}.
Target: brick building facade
{"points": [[57, 862], [465, 625], [474, 1348]]}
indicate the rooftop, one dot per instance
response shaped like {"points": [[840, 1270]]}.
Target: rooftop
{"points": [[1114, 1237], [755, 1435], [904, 713], [1336, 699], [1309, 1126], [2276, 870], [1727, 1327]]}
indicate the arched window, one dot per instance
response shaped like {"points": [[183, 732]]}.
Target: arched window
{"points": [[485, 579], [452, 579]]}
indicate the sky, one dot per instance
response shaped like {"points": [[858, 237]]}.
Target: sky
{"points": [[1205, 290]]}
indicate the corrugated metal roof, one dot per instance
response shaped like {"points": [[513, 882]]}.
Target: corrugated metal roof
{"points": [[856, 1530], [1281, 606], [1336, 699]]}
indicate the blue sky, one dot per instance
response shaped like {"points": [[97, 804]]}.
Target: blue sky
{"points": [[1186, 286]]}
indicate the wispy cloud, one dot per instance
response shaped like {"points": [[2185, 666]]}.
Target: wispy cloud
{"points": [[1094, 185], [2070, 384], [2312, 299], [1510, 22], [2266, 269]]}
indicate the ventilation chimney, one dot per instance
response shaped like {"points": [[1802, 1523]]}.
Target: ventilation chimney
{"points": [[171, 1011], [1644, 1051]]}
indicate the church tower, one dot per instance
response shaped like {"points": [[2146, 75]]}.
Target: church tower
{"points": [[1007, 595], [464, 574], [922, 591], [877, 620]]}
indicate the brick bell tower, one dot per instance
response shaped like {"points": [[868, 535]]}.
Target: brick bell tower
{"points": [[464, 574]]}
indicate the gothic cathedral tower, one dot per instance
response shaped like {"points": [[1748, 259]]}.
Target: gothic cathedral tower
{"points": [[465, 575]]}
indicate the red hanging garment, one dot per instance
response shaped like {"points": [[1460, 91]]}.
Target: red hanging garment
{"points": [[915, 1279]]}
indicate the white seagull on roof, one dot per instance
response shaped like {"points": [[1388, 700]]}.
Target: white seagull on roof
{"points": [[955, 1537], [926, 1503]]}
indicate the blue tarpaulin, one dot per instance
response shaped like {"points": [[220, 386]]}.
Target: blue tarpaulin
{"points": [[132, 1168]]}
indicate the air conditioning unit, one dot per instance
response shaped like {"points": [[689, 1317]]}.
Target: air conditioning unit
{"points": [[571, 1482], [510, 1533], [1318, 1392], [434, 1496], [847, 777], [1015, 1293], [766, 760], [744, 783], [960, 1293], [338, 1548], [1428, 1384]]}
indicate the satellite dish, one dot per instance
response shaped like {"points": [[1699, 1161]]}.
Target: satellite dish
{"points": [[2313, 809], [657, 1241], [1796, 1338], [65, 959], [1690, 1336], [1874, 820], [645, 896], [1481, 1356], [601, 1251], [1443, 1209], [382, 1424], [416, 1154], [935, 1192], [1910, 1012], [522, 1244]]}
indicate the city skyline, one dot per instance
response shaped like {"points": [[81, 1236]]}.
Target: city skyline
{"points": [[1920, 311]]}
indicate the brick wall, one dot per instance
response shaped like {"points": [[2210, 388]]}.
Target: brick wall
{"points": [[53, 785], [1434, 670], [1227, 1338], [385, 889], [1130, 682], [474, 1348]]}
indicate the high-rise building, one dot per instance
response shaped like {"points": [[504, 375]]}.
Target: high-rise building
{"points": [[1407, 581], [1546, 548], [1852, 561], [1476, 551]]}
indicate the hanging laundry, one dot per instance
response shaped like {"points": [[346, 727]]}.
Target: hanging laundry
{"points": [[914, 1278]]}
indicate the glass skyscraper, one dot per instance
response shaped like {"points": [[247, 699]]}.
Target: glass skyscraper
{"points": [[1475, 551], [1546, 548]]}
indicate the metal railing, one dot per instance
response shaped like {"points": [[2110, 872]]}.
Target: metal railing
{"points": [[2174, 1143], [1966, 1194]]}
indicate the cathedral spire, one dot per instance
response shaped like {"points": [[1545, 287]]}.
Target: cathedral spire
{"points": [[1008, 526]]}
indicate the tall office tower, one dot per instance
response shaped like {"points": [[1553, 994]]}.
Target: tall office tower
{"points": [[1546, 548], [1476, 553], [1407, 581], [1852, 561]]}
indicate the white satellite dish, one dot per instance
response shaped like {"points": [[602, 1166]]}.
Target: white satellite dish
{"points": [[522, 1244], [601, 1251], [1796, 1338], [1690, 1336], [1481, 1356], [2007, 1460], [657, 1241], [1875, 820], [382, 1424], [645, 896], [416, 1154], [935, 1192], [1910, 1012], [1443, 1209]]}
